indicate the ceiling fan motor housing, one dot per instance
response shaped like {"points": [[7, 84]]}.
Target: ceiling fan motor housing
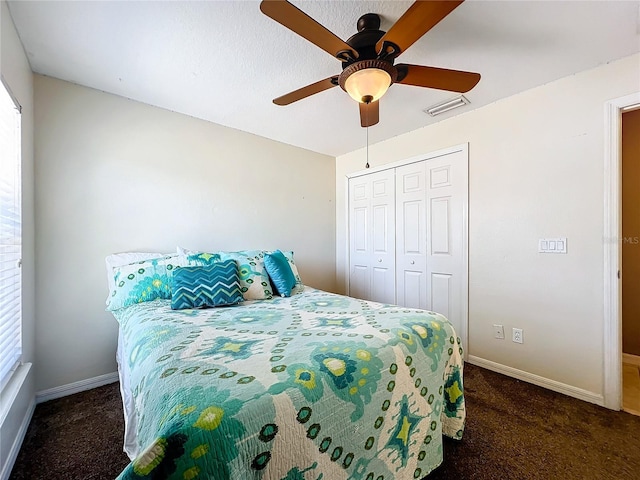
{"points": [[364, 42]]}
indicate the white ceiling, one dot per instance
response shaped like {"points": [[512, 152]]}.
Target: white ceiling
{"points": [[224, 61]]}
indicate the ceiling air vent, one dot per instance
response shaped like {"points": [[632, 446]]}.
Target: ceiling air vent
{"points": [[459, 101]]}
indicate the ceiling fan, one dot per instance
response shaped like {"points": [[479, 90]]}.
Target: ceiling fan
{"points": [[368, 57]]}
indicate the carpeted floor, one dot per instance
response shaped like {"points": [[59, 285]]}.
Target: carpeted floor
{"points": [[514, 431]]}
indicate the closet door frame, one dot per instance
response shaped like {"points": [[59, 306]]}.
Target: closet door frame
{"points": [[464, 294]]}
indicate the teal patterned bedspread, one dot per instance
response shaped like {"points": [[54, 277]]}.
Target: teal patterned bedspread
{"points": [[317, 386]]}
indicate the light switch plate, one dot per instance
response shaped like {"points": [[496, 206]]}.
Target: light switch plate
{"points": [[552, 245]]}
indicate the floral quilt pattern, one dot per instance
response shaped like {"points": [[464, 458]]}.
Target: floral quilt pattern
{"points": [[316, 386]]}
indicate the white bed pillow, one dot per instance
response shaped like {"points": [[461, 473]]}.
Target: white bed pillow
{"points": [[185, 251]]}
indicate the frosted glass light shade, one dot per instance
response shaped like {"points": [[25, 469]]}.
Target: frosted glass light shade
{"points": [[367, 84]]}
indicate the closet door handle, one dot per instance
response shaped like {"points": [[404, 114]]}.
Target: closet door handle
{"points": [[380, 260], [413, 262]]}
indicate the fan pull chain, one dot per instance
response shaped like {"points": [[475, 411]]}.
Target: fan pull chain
{"points": [[367, 165]]}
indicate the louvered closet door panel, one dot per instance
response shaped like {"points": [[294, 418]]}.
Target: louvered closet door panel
{"points": [[360, 250], [447, 187], [411, 236], [383, 236]]}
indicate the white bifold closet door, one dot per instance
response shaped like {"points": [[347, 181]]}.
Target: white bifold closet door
{"points": [[372, 235], [430, 204], [407, 234], [447, 199], [411, 235]]}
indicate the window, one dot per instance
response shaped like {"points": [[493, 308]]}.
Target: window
{"points": [[10, 237]]}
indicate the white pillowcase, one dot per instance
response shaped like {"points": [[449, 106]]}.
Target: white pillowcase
{"points": [[185, 251]]}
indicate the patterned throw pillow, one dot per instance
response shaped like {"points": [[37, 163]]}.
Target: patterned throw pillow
{"points": [[202, 258], [294, 269], [143, 281], [280, 272], [254, 280], [118, 259], [211, 285]]}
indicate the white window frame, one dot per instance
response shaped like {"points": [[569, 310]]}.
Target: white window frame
{"points": [[10, 235]]}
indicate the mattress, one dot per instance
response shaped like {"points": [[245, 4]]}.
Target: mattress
{"points": [[130, 445], [315, 386]]}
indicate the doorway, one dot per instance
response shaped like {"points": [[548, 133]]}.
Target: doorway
{"points": [[630, 245], [613, 241]]}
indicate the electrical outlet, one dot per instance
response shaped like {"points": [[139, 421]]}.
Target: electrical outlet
{"points": [[498, 331], [517, 335]]}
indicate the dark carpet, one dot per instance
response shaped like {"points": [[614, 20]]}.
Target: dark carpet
{"points": [[514, 431]]}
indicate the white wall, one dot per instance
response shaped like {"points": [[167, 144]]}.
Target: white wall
{"points": [[535, 170], [116, 175], [16, 72]]}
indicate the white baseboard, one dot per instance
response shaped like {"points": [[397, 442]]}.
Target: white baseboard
{"points": [[560, 387], [631, 359], [17, 443], [76, 387]]}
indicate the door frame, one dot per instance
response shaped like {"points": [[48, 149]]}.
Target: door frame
{"points": [[612, 338], [464, 294]]}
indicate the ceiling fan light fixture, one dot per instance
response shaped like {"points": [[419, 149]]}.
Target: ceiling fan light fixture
{"points": [[367, 85], [367, 80]]}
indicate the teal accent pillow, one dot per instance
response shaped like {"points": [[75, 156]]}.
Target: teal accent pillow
{"points": [[213, 285], [280, 272], [254, 279], [143, 281]]}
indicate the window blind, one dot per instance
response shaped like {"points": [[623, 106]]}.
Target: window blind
{"points": [[10, 237]]}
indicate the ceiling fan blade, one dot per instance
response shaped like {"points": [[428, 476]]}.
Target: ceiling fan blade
{"points": [[440, 78], [369, 113], [299, 22], [421, 17], [307, 91]]}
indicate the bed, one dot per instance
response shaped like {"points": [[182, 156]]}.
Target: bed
{"points": [[312, 386]]}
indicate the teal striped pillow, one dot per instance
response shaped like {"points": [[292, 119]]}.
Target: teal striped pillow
{"points": [[212, 285]]}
